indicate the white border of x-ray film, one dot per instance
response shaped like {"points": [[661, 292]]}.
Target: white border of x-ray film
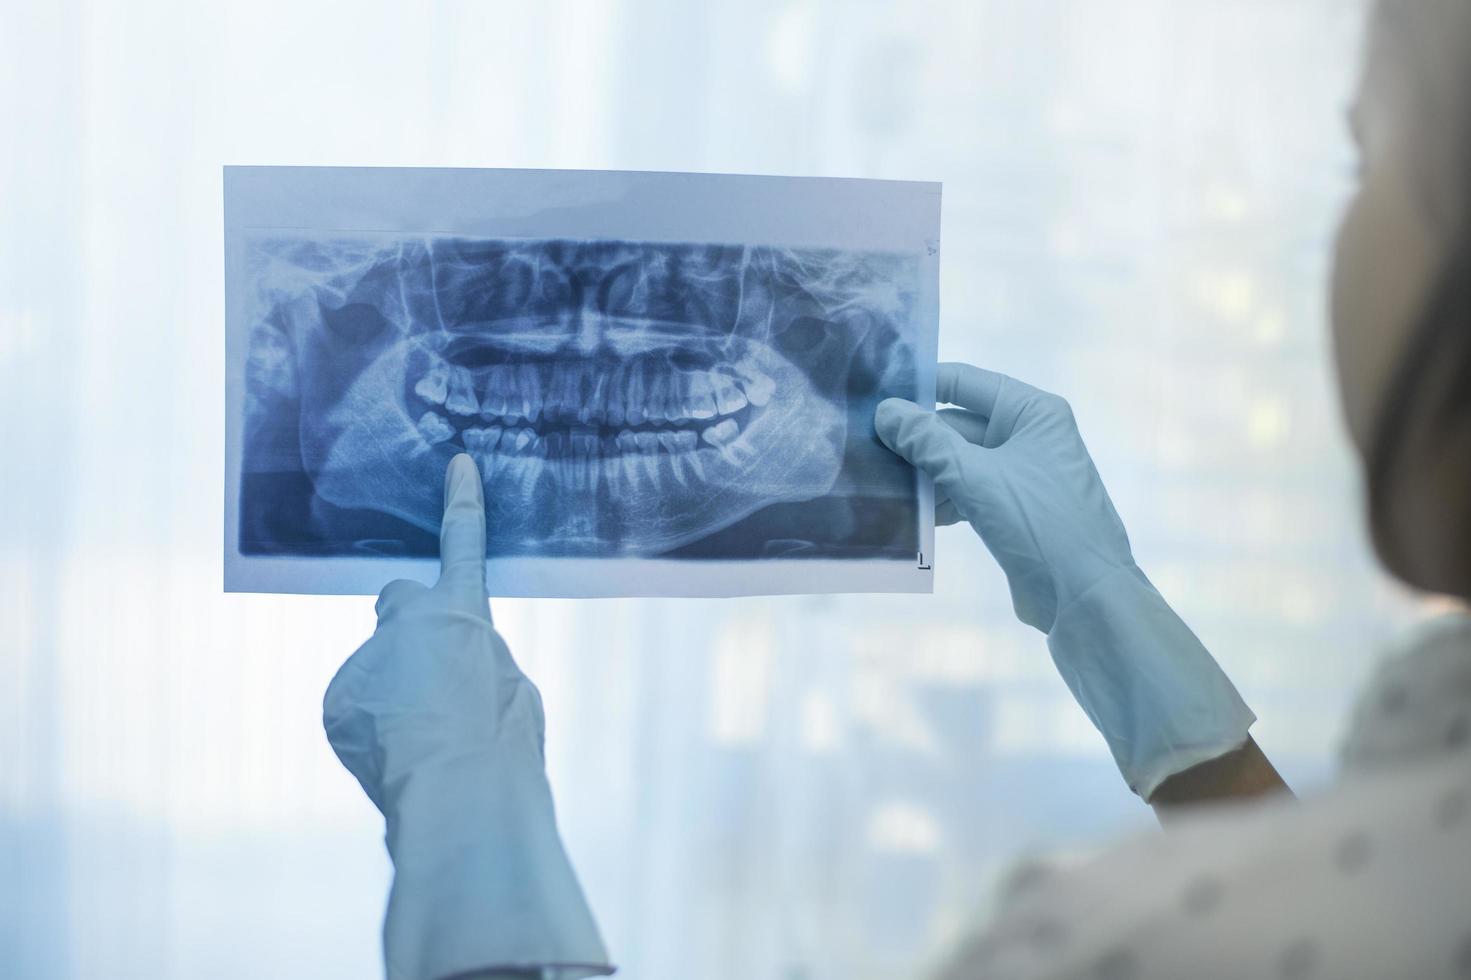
{"points": [[676, 207]]}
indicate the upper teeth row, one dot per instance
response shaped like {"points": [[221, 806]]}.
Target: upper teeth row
{"points": [[629, 395]]}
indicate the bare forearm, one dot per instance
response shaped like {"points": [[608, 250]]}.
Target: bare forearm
{"points": [[1240, 774]]}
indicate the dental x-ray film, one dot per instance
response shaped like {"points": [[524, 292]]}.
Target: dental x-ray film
{"points": [[667, 381]]}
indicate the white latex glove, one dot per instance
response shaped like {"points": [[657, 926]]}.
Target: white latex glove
{"points": [[445, 735], [1011, 462]]}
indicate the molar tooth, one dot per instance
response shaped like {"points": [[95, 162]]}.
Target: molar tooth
{"points": [[527, 473], [610, 470], [700, 402], [675, 462], [680, 441], [480, 443], [435, 428], [434, 386], [522, 440], [652, 462], [626, 442], [461, 400], [696, 462], [759, 387], [728, 398], [721, 432], [737, 454], [630, 463], [647, 442]]}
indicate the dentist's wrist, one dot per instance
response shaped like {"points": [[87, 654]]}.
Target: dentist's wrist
{"points": [[1146, 681], [481, 879]]}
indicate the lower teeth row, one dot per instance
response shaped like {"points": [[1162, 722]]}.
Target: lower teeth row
{"points": [[523, 441]]}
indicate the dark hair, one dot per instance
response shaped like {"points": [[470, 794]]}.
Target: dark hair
{"points": [[1419, 458], [1419, 464]]}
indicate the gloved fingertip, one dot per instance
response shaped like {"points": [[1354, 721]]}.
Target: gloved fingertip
{"points": [[894, 418], [462, 532], [891, 405], [888, 415], [461, 477]]}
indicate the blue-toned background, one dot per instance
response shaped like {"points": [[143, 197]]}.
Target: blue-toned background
{"points": [[1139, 196]]}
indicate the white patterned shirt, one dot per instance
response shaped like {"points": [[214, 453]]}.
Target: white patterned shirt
{"points": [[1371, 879]]}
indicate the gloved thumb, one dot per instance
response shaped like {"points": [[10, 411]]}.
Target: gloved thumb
{"points": [[462, 533], [396, 595], [925, 442]]}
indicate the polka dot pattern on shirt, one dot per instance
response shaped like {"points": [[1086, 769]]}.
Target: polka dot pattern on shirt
{"points": [[1117, 964], [1047, 934], [1299, 959], [1458, 733], [1202, 896], [1353, 853], [1451, 809]]}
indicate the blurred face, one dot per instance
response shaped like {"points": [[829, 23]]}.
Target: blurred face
{"points": [[1387, 253]]}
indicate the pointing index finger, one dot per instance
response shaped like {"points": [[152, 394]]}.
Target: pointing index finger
{"points": [[462, 533]]}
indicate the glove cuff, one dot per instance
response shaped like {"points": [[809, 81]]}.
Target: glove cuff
{"points": [[481, 881], [1146, 682]]}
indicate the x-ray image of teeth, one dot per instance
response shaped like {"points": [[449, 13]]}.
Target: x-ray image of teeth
{"points": [[692, 401]]}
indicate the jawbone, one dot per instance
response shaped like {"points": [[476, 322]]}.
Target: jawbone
{"points": [[367, 451]]}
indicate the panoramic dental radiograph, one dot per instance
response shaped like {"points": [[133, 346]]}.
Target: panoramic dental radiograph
{"points": [[643, 399]]}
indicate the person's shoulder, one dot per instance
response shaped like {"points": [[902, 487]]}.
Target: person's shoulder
{"points": [[1370, 879], [1418, 703]]}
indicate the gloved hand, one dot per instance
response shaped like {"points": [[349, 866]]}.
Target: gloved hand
{"points": [[1011, 462], [445, 735]]}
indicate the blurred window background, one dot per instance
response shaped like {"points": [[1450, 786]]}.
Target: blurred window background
{"points": [[1139, 201]]}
